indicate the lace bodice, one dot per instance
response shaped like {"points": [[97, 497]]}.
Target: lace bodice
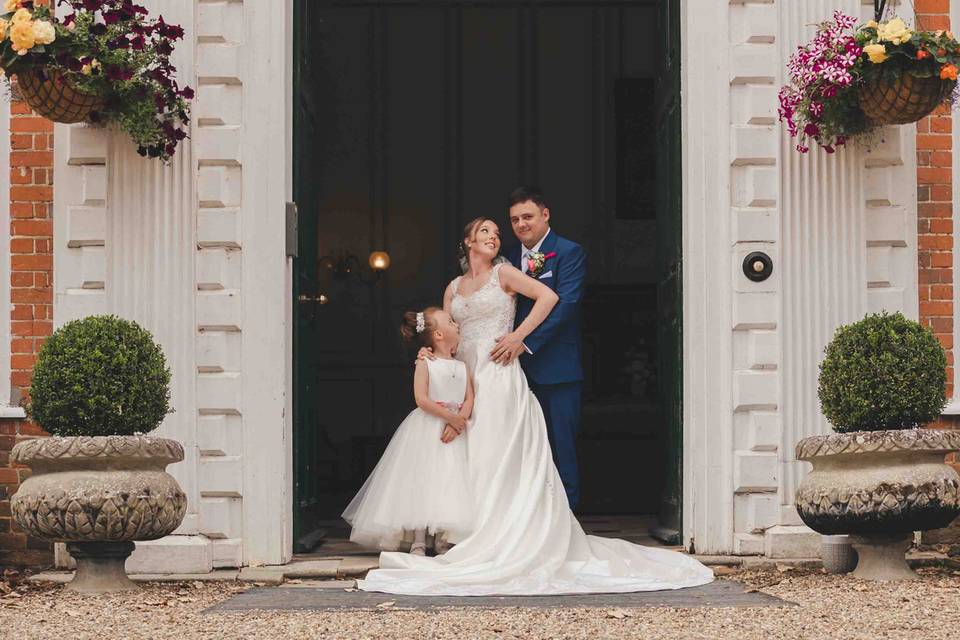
{"points": [[483, 316]]}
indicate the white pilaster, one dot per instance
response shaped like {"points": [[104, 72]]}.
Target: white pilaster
{"points": [[849, 238], [707, 286], [840, 230]]}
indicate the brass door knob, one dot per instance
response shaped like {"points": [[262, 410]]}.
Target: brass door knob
{"points": [[757, 266]]}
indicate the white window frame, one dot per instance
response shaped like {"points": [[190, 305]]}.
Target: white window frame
{"points": [[6, 411], [953, 406]]}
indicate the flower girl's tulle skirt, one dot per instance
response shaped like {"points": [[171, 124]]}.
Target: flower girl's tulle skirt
{"points": [[419, 483]]}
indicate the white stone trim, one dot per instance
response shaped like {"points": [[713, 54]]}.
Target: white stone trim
{"points": [[755, 171], [15, 413], [5, 305], [79, 222]]}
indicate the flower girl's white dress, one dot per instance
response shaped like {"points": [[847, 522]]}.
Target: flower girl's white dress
{"points": [[420, 482]]}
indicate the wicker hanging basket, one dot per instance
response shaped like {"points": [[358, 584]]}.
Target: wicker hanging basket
{"points": [[53, 96], [901, 99]]}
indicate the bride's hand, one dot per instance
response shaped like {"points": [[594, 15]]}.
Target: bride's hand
{"points": [[508, 347], [426, 353]]}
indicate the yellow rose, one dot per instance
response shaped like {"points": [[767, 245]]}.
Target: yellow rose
{"points": [[895, 29], [3, 29], [872, 24], [22, 15], [876, 52], [21, 36], [11, 5], [43, 32]]}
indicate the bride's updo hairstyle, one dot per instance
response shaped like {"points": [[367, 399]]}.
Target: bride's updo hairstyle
{"points": [[416, 331], [469, 232]]}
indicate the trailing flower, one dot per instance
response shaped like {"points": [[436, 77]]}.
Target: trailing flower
{"points": [[822, 103], [107, 48]]}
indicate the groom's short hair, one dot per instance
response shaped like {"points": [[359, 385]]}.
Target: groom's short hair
{"points": [[527, 193]]}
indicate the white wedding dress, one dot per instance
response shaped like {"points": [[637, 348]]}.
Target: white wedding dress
{"points": [[526, 540]]}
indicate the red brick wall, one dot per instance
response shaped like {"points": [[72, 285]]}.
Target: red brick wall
{"points": [[935, 227], [31, 298], [935, 205]]}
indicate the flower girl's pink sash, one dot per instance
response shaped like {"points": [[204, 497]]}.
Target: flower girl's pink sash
{"points": [[453, 406]]}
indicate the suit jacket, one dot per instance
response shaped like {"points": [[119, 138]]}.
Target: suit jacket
{"points": [[555, 344]]}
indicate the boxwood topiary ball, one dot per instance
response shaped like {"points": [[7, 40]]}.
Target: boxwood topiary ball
{"points": [[100, 376], [883, 372]]}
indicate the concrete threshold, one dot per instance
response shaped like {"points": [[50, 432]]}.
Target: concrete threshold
{"points": [[348, 569]]}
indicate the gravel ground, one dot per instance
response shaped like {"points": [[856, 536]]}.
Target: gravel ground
{"points": [[830, 607]]}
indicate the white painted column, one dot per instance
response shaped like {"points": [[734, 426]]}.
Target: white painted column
{"points": [[174, 248], [267, 161], [707, 289], [841, 231], [849, 247], [755, 203]]}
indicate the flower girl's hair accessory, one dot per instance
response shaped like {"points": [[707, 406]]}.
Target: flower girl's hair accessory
{"points": [[421, 322]]}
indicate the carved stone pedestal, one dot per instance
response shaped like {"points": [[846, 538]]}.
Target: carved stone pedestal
{"points": [[101, 567], [99, 494], [879, 486], [882, 558]]}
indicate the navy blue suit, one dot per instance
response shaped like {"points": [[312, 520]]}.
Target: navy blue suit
{"points": [[553, 367]]}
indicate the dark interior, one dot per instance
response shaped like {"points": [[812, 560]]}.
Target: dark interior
{"points": [[412, 118]]}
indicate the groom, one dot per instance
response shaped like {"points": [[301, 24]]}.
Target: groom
{"points": [[550, 355]]}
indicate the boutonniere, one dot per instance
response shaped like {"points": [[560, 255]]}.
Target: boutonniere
{"points": [[535, 262]]}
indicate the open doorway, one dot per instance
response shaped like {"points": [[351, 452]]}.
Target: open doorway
{"points": [[411, 119]]}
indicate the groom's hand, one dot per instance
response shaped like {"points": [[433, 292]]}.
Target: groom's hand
{"points": [[507, 349]]}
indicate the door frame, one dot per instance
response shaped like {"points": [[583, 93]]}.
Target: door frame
{"points": [[707, 277], [265, 66], [707, 443]]}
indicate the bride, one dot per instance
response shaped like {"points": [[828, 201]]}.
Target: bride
{"points": [[526, 540]]}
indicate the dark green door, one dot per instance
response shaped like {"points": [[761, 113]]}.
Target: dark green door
{"points": [[309, 468], [669, 266]]}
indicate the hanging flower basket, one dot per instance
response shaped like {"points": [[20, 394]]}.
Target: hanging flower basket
{"points": [[54, 96], [902, 98], [102, 61], [851, 79]]}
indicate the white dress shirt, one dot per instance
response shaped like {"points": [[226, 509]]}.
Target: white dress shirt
{"points": [[524, 252]]}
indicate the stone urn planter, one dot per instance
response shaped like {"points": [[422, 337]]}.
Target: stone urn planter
{"points": [[99, 494], [879, 487]]}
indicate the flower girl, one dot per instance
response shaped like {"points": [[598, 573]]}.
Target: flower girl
{"points": [[419, 486]]}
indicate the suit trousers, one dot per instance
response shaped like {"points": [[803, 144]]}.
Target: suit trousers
{"points": [[561, 405]]}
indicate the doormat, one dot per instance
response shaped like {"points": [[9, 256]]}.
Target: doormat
{"points": [[721, 593]]}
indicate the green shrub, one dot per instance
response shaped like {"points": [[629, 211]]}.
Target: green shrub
{"points": [[883, 372], [100, 376]]}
